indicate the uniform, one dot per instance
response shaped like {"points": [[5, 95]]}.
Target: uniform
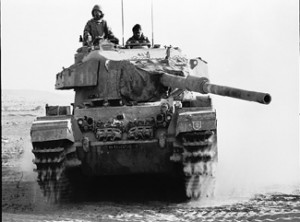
{"points": [[97, 28], [134, 41]]}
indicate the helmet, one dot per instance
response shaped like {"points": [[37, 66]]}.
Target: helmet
{"points": [[96, 7], [136, 27]]}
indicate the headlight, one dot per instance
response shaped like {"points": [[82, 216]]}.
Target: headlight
{"points": [[80, 122], [169, 117]]}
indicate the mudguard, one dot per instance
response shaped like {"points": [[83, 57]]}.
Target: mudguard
{"points": [[190, 120], [49, 129]]}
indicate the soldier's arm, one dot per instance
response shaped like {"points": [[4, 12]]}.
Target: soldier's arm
{"points": [[87, 35], [110, 35], [128, 43], [147, 41]]}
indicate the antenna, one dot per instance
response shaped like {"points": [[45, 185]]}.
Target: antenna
{"points": [[122, 24], [151, 22]]}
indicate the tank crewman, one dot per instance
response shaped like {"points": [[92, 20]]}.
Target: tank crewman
{"points": [[138, 38], [97, 28]]}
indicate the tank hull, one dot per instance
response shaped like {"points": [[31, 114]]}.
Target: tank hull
{"points": [[127, 158], [177, 148]]}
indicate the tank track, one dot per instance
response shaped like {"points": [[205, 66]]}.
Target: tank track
{"points": [[199, 163], [51, 159]]}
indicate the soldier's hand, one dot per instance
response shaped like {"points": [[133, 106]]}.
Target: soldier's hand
{"points": [[89, 38]]}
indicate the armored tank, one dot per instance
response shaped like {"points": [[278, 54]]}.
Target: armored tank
{"points": [[136, 111]]}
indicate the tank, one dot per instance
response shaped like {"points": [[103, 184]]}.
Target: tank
{"points": [[139, 111]]}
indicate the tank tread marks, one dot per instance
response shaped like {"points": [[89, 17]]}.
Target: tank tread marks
{"points": [[199, 160]]}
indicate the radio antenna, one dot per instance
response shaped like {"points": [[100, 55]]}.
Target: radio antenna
{"points": [[122, 25], [151, 22]]}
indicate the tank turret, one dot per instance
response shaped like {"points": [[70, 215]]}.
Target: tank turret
{"points": [[143, 75]]}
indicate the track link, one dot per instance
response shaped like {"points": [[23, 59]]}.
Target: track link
{"points": [[199, 163], [51, 165]]}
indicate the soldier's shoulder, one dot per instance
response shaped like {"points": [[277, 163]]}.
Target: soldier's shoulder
{"points": [[130, 39], [145, 38], [90, 21]]}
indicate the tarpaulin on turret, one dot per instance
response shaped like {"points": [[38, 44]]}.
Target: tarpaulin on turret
{"points": [[137, 84], [126, 74], [140, 78]]}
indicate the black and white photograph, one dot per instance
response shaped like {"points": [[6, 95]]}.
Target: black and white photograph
{"points": [[150, 110]]}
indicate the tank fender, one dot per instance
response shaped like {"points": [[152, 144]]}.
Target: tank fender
{"points": [[190, 120], [51, 129]]}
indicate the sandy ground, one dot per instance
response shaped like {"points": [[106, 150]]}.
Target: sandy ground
{"points": [[22, 199]]}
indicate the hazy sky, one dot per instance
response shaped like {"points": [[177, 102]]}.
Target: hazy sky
{"points": [[251, 44]]}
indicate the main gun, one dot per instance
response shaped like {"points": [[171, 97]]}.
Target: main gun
{"points": [[202, 85]]}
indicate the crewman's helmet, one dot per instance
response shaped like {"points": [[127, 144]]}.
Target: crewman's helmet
{"points": [[97, 7], [136, 28]]}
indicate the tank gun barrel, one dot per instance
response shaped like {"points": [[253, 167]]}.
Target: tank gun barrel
{"points": [[202, 85], [259, 97]]}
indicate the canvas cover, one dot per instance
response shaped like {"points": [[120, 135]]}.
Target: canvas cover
{"points": [[128, 74], [140, 78]]}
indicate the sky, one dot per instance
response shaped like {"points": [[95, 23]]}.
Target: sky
{"points": [[249, 44]]}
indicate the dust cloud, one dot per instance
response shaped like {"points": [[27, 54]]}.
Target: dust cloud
{"points": [[26, 163], [258, 149]]}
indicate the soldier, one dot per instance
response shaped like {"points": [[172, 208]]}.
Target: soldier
{"points": [[97, 28], [138, 38]]}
